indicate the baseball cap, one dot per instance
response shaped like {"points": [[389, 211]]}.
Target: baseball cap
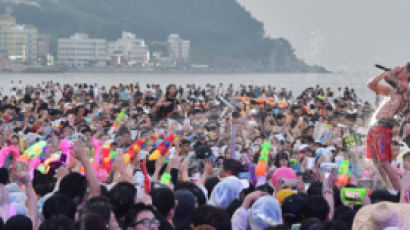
{"points": [[292, 207], [185, 208]]}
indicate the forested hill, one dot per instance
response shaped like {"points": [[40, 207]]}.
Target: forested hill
{"points": [[222, 33]]}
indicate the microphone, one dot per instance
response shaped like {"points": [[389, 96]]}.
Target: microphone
{"points": [[382, 67]]}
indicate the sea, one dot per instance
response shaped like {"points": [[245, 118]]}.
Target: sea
{"points": [[295, 82]]}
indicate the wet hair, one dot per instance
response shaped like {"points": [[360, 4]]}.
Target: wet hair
{"points": [[98, 205], [277, 227], [134, 211], [210, 184], [43, 183], [316, 206], [380, 195], [74, 185], [216, 217], [310, 222], [90, 221], [315, 189], [265, 188], [335, 225], [163, 199], [279, 157], [167, 91], [18, 222], [234, 166], [59, 204], [59, 222], [192, 187], [122, 197]]}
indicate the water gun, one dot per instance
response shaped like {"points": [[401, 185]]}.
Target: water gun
{"points": [[293, 162], [106, 160], [15, 152], [154, 138], [327, 167], [120, 116], [343, 173], [166, 179], [4, 152], [162, 148], [146, 178], [133, 150], [97, 149], [65, 147], [33, 151], [353, 195], [21, 143], [44, 168], [263, 159]]}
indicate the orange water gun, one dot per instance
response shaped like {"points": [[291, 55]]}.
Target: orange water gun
{"points": [[162, 148], [106, 159], [262, 166]]}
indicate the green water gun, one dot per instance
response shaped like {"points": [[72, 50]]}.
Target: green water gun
{"points": [[353, 195], [262, 166]]}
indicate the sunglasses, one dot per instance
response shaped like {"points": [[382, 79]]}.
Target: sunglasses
{"points": [[148, 222]]}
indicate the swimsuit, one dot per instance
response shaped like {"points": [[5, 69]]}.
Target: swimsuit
{"points": [[379, 137]]}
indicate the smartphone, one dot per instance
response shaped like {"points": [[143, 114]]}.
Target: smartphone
{"points": [[289, 183], [244, 175], [211, 158], [310, 162]]}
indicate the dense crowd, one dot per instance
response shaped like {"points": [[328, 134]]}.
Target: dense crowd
{"points": [[188, 157]]}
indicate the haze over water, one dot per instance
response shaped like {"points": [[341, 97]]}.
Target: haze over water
{"points": [[294, 82]]}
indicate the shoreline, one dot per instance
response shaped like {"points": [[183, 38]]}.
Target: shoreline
{"points": [[195, 72]]}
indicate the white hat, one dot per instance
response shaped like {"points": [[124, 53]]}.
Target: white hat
{"points": [[303, 146]]}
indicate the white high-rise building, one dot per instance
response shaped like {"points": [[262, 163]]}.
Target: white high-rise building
{"points": [[178, 48], [19, 40], [130, 49], [80, 50]]}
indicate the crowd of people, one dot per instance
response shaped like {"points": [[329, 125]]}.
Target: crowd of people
{"points": [[218, 157]]}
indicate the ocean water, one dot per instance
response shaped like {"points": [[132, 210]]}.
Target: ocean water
{"points": [[294, 82]]}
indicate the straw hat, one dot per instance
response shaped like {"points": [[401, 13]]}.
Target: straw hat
{"points": [[381, 216]]}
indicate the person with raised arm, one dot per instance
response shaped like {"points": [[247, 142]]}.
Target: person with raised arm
{"points": [[379, 137]]}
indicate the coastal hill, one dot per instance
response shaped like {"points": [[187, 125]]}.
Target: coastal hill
{"points": [[223, 34]]}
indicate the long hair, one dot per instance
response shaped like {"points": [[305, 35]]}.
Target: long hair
{"points": [[167, 91]]}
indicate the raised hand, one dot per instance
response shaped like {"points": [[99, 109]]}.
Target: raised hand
{"points": [[79, 151], [22, 173], [251, 198]]}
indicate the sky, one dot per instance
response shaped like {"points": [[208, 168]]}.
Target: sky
{"points": [[346, 35]]}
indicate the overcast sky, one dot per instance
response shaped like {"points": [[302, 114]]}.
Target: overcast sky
{"points": [[344, 35]]}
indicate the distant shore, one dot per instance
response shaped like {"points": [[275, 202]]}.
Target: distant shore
{"points": [[64, 69]]}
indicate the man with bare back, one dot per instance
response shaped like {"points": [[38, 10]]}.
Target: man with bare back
{"points": [[379, 137]]}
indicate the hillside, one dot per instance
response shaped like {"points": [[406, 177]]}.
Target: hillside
{"points": [[222, 33]]}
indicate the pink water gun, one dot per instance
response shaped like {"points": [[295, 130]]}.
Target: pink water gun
{"points": [[97, 149], [4, 152], [65, 147]]}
